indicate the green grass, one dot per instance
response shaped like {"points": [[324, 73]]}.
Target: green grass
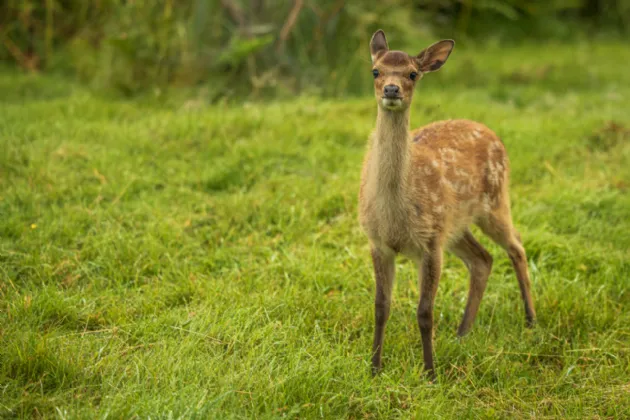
{"points": [[206, 261]]}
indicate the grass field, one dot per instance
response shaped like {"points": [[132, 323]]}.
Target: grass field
{"points": [[206, 261]]}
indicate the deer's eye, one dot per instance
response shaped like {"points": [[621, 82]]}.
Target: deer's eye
{"points": [[413, 75], [375, 73]]}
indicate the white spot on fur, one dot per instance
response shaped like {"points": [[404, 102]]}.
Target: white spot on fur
{"points": [[420, 136], [448, 183], [448, 155], [461, 173], [494, 173], [486, 203]]}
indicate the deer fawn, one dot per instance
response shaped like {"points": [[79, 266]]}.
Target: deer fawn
{"points": [[421, 190]]}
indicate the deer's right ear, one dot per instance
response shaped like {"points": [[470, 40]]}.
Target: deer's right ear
{"points": [[378, 45]]}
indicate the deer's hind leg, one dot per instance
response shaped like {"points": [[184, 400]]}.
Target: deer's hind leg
{"points": [[479, 263], [498, 226]]}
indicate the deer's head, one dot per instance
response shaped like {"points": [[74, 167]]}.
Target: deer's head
{"points": [[396, 72]]}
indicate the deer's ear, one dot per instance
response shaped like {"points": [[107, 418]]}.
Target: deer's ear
{"points": [[378, 44], [433, 57]]}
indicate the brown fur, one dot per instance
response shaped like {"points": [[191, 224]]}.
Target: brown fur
{"points": [[421, 191]]}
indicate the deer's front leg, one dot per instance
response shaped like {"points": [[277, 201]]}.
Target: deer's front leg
{"points": [[384, 268], [430, 270]]}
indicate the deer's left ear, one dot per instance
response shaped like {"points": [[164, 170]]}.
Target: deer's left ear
{"points": [[378, 45], [433, 57]]}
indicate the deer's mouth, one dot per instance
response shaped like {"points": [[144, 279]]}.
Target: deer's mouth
{"points": [[392, 103]]}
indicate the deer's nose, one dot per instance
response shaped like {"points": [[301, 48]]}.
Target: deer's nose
{"points": [[391, 91]]}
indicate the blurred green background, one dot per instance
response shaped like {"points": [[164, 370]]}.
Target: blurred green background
{"points": [[174, 244], [257, 48]]}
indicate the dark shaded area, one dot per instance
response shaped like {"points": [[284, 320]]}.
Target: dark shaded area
{"points": [[266, 47]]}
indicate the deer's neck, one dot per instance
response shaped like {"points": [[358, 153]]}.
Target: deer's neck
{"points": [[390, 152]]}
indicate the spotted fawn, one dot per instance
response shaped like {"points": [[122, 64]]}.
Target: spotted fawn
{"points": [[422, 189]]}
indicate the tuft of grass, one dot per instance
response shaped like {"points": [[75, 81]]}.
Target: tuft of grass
{"points": [[206, 261]]}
